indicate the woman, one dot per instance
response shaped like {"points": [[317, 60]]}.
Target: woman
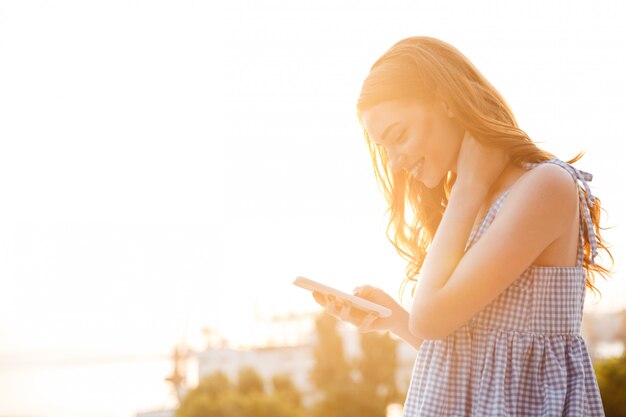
{"points": [[502, 235]]}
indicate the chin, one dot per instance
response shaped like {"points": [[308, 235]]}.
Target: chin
{"points": [[427, 184], [431, 182]]}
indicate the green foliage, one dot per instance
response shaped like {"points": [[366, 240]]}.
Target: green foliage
{"points": [[351, 400], [257, 405], [331, 368], [286, 389], [250, 382], [366, 395], [205, 399], [214, 385], [378, 365], [215, 396], [375, 386], [611, 374]]}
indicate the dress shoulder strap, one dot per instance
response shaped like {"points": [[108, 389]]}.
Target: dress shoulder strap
{"points": [[586, 203], [479, 228]]}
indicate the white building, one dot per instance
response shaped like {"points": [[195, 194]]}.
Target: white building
{"points": [[295, 361], [156, 413], [604, 333]]}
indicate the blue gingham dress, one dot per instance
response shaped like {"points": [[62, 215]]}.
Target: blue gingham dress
{"points": [[523, 354]]}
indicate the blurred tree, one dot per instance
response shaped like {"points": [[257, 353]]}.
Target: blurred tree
{"points": [[378, 366], [214, 385], [350, 400], [611, 374], [215, 396], [376, 370], [622, 332], [331, 368], [286, 389], [250, 381], [256, 404], [204, 400]]}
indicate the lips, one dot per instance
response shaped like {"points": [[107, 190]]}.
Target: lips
{"points": [[415, 172]]}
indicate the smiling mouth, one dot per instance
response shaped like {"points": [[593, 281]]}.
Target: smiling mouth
{"points": [[417, 168]]}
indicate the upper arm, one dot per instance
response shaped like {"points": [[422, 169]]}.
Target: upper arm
{"points": [[538, 210]]}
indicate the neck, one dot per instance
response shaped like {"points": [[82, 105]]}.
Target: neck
{"points": [[507, 178]]}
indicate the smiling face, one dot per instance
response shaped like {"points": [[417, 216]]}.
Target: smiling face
{"points": [[421, 140]]}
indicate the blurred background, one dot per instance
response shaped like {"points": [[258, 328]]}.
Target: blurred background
{"points": [[167, 168]]}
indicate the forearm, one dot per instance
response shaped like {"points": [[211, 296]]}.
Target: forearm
{"points": [[448, 245], [401, 329], [445, 253]]}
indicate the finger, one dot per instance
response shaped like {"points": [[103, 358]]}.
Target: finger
{"points": [[370, 319], [337, 303], [319, 298], [355, 316], [331, 308], [367, 322], [344, 313], [362, 291]]}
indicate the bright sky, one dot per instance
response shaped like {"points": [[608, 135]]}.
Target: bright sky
{"points": [[171, 165]]}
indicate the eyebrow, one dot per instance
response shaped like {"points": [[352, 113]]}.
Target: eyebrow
{"points": [[387, 131]]}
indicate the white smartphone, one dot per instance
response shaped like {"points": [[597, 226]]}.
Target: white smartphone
{"points": [[352, 300]]}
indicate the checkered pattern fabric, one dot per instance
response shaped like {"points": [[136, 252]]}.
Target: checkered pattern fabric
{"points": [[523, 354]]}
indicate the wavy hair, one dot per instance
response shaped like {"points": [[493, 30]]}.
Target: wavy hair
{"points": [[427, 70]]}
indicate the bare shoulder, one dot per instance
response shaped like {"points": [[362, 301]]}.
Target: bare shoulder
{"points": [[549, 178], [548, 192]]}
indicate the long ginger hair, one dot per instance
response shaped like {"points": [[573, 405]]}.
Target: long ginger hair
{"points": [[428, 70]]}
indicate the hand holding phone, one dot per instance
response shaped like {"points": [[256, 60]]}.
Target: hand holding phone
{"points": [[395, 318], [350, 300]]}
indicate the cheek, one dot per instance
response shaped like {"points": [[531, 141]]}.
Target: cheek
{"points": [[421, 131], [444, 146], [428, 126], [430, 135], [441, 159], [454, 148]]}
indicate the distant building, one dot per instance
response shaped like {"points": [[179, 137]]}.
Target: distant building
{"points": [[156, 413], [295, 361], [604, 333]]}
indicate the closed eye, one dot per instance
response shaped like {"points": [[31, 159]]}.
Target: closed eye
{"points": [[400, 138]]}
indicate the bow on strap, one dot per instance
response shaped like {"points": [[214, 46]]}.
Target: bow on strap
{"points": [[583, 177]]}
